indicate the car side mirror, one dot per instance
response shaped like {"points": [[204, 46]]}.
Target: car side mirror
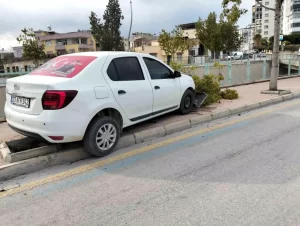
{"points": [[177, 74]]}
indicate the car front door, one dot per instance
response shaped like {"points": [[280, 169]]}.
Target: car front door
{"points": [[166, 88], [132, 91]]}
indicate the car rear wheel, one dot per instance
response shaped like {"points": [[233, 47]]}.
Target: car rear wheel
{"points": [[187, 102], [102, 136]]}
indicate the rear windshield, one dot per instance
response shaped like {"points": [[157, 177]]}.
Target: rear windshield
{"points": [[63, 66]]}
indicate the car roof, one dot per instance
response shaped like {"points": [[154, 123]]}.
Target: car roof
{"points": [[107, 53]]}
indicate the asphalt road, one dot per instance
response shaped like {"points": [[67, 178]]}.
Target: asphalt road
{"points": [[243, 170]]}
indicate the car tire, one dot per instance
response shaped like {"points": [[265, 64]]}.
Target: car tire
{"points": [[187, 102], [102, 136]]}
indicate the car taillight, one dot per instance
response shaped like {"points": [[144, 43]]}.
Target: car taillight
{"points": [[54, 100]]}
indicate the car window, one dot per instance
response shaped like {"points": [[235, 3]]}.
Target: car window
{"points": [[125, 69], [112, 73], [157, 70]]}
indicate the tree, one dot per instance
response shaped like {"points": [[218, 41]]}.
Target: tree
{"points": [[208, 33], [237, 12], [222, 36], [172, 42], [32, 50], [96, 27], [108, 34], [230, 37], [232, 11], [7, 58]]}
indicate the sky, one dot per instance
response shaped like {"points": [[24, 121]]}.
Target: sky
{"points": [[149, 16]]}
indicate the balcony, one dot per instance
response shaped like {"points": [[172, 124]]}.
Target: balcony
{"points": [[60, 47], [66, 36], [85, 46]]}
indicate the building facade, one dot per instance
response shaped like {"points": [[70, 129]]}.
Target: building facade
{"points": [[63, 43], [263, 19], [148, 43], [291, 17], [247, 34]]}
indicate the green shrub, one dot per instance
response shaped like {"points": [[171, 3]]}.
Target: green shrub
{"points": [[176, 66], [229, 94], [9, 76], [209, 84], [292, 48]]}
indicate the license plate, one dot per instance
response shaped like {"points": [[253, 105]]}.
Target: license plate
{"points": [[20, 101]]}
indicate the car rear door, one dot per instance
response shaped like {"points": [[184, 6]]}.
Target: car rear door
{"points": [[166, 88], [131, 89]]}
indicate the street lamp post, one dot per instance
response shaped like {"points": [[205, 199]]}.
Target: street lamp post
{"points": [[130, 26]]}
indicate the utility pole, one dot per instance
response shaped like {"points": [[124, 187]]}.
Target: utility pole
{"points": [[130, 26]]}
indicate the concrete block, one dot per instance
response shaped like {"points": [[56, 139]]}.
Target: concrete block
{"points": [[149, 134], [5, 154], [3, 145], [284, 92], [12, 170], [221, 114], [31, 153], [235, 111], [296, 95], [69, 156], [253, 106], [177, 126], [265, 103], [287, 97], [200, 119], [125, 141], [277, 100]]}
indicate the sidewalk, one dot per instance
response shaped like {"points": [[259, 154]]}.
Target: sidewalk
{"points": [[247, 94]]}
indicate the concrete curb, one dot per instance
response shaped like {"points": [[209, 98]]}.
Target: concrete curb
{"points": [[16, 169], [2, 120], [10, 171]]}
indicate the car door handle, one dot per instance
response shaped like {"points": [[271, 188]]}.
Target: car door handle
{"points": [[156, 87], [121, 92]]}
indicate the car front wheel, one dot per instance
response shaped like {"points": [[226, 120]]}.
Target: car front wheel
{"points": [[102, 136], [187, 102]]}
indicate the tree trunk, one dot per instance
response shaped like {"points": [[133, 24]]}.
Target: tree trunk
{"points": [[214, 56], [275, 55], [169, 57]]}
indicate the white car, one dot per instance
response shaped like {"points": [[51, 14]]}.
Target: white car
{"points": [[92, 96], [235, 56]]}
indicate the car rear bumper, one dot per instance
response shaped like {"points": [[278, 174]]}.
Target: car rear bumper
{"points": [[65, 123]]}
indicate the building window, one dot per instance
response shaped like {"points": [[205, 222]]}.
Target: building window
{"points": [[179, 57], [83, 41], [62, 42], [266, 9], [266, 27], [266, 21], [265, 33], [267, 15], [267, 3], [7, 69], [295, 25], [48, 43]]}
